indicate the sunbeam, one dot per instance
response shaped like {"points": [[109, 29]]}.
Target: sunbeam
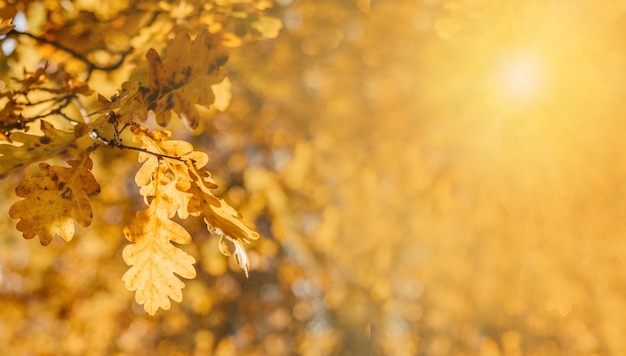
{"points": [[526, 93]]}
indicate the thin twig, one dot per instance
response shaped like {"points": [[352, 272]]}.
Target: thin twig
{"points": [[34, 103], [159, 155], [91, 65], [63, 103], [116, 144]]}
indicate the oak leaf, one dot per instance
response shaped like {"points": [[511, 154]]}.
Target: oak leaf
{"points": [[33, 148], [152, 257], [174, 178], [184, 80], [175, 174], [221, 219], [53, 201]]}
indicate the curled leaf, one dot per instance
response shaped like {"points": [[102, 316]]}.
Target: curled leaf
{"points": [[239, 251], [221, 218]]}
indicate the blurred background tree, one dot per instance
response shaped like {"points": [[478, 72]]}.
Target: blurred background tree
{"points": [[434, 177]]}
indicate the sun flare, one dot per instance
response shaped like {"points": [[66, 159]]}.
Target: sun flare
{"points": [[525, 96], [519, 78]]}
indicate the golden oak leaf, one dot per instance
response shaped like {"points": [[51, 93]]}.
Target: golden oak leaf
{"points": [[173, 174], [221, 218], [53, 201], [152, 257], [183, 81], [218, 214], [163, 183], [33, 148]]}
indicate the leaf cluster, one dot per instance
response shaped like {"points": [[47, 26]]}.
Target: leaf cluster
{"points": [[58, 112]]}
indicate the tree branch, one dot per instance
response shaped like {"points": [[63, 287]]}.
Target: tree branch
{"points": [[91, 65]]}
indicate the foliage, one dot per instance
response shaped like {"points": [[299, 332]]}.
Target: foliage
{"points": [[171, 179], [425, 177], [53, 201]]}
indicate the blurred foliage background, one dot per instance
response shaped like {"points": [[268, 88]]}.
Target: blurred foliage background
{"points": [[407, 204]]}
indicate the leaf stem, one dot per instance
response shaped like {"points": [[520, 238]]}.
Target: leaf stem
{"points": [[117, 144]]}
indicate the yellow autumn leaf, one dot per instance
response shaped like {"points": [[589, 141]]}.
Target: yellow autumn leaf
{"points": [[152, 257], [172, 172], [53, 201], [33, 148], [154, 260], [221, 218], [175, 178], [217, 213], [182, 82]]}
